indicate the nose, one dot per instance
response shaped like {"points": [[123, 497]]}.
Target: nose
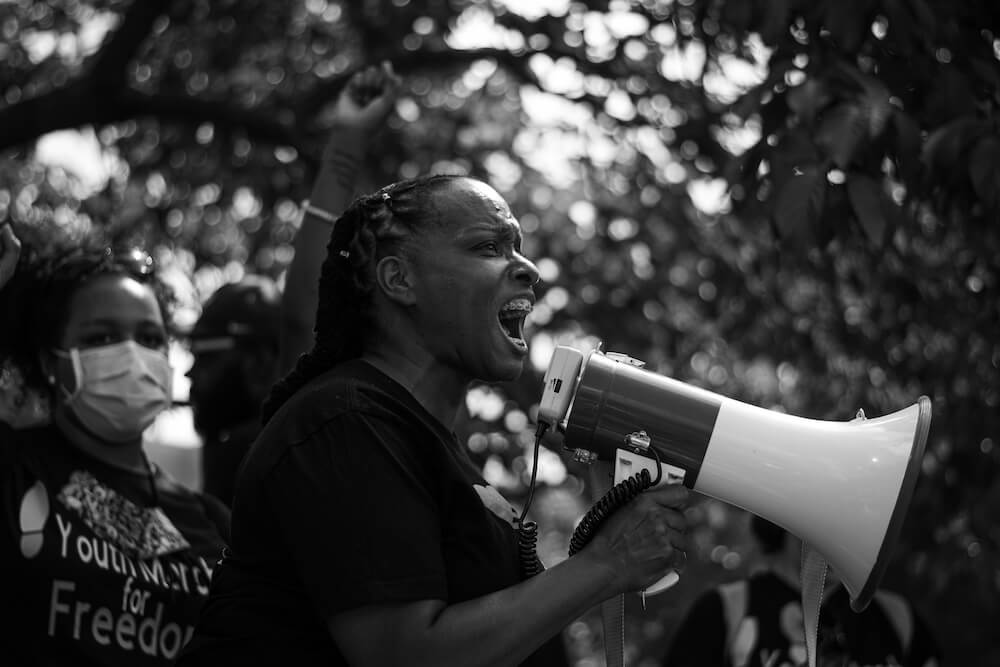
{"points": [[524, 270]]}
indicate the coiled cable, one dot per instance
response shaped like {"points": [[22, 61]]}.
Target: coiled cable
{"points": [[617, 497], [527, 531]]}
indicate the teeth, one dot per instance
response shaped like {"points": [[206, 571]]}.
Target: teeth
{"points": [[516, 305]]}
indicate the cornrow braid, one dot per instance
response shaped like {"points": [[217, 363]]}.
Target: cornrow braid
{"points": [[370, 227]]}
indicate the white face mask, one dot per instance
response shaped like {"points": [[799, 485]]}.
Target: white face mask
{"points": [[120, 388]]}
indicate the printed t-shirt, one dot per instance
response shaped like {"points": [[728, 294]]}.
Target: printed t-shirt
{"points": [[758, 622], [97, 568], [352, 495]]}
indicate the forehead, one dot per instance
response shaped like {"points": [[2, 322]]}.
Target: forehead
{"points": [[113, 300], [471, 204]]}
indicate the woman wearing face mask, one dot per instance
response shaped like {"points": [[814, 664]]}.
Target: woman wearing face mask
{"points": [[362, 532], [106, 559]]}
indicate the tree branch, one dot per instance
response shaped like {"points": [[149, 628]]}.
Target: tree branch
{"points": [[261, 124], [109, 67]]}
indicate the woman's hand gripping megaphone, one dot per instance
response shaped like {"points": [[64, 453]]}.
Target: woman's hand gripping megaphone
{"points": [[638, 525], [643, 539]]}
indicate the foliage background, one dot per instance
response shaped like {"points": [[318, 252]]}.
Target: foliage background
{"points": [[790, 203]]}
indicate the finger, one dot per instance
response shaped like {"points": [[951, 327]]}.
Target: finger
{"points": [[679, 541], [356, 80], [9, 242], [389, 75], [673, 495], [371, 75], [676, 520]]}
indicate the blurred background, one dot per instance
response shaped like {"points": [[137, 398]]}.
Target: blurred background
{"points": [[792, 203]]}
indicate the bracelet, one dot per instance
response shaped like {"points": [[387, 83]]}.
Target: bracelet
{"points": [[317, 212]]}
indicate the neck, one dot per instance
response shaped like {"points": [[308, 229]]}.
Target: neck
{"points": [[126, 456], [438, 389]]}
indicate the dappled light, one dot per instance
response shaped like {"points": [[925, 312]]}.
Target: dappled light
{"points": [[791, 204]]}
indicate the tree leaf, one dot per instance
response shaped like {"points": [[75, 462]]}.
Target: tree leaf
{"points": [[907, 143], [846, 27], [808, 99], [874, 99], [946, 145], [841, 131], [865, 194], [774, 24], [798, 206], [984, 171]]}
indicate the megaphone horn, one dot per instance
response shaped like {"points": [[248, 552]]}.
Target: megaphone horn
{"points": [[842, 487]]}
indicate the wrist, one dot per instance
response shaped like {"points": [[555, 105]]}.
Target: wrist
{"points": [[601, 571], [311, 211], [345, 142]]}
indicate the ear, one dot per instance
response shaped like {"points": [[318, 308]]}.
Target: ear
{"points": [[395, 278], [48, 363]]}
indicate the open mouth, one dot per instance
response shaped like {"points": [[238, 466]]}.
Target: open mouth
{"points": [[511, 319]]}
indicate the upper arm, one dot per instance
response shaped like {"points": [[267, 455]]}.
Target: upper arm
{"points": [[301, 294]]}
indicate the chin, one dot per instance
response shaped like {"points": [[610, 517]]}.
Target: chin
{"points": [[507, 372]]}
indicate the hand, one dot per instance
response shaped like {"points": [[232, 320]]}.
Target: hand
{"points": [[643, 539], [366, 100], [10, 251]]}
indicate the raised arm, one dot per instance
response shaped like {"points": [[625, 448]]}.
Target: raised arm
{"points": [[360, 111], [10, 251], [632, 550]]}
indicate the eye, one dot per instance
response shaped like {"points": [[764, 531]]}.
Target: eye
{"points": [[98, 339], [490, 247], [154, 340]]}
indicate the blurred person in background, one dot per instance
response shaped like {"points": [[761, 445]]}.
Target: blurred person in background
{"points": [[757, 622], [106, 559], [235, 349]]}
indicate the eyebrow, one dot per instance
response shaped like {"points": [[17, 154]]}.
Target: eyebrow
{"points": [[111, 322], [511, 232]]}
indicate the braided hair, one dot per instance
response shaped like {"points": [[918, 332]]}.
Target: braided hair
{"points": [[372, 226]]}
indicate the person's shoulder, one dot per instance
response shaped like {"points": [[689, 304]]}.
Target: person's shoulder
{"points": [[29, 445], [353, 387]]}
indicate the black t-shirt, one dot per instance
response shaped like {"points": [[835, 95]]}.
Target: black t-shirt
{"points": [[758, 622], [352, 495], [221, 455], [98, 568]]}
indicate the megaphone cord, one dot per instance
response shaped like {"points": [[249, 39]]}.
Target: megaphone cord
{"points": [[617, 497], [527, 531]]}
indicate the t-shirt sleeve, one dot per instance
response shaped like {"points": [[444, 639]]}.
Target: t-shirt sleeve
{"points": [[357, 516], [217, 513], [701, 637]]}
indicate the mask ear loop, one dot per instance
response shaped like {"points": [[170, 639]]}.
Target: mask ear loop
{"points": [[74, 356]]}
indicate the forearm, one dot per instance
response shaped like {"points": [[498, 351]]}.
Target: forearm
{"points": [[332, 192], [501, 628]]}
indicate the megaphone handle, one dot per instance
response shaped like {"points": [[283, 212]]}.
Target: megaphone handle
{"points": [[627, 463], [668, 580]]}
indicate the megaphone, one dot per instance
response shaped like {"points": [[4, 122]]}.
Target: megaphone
{"points": [[841, 487]]}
